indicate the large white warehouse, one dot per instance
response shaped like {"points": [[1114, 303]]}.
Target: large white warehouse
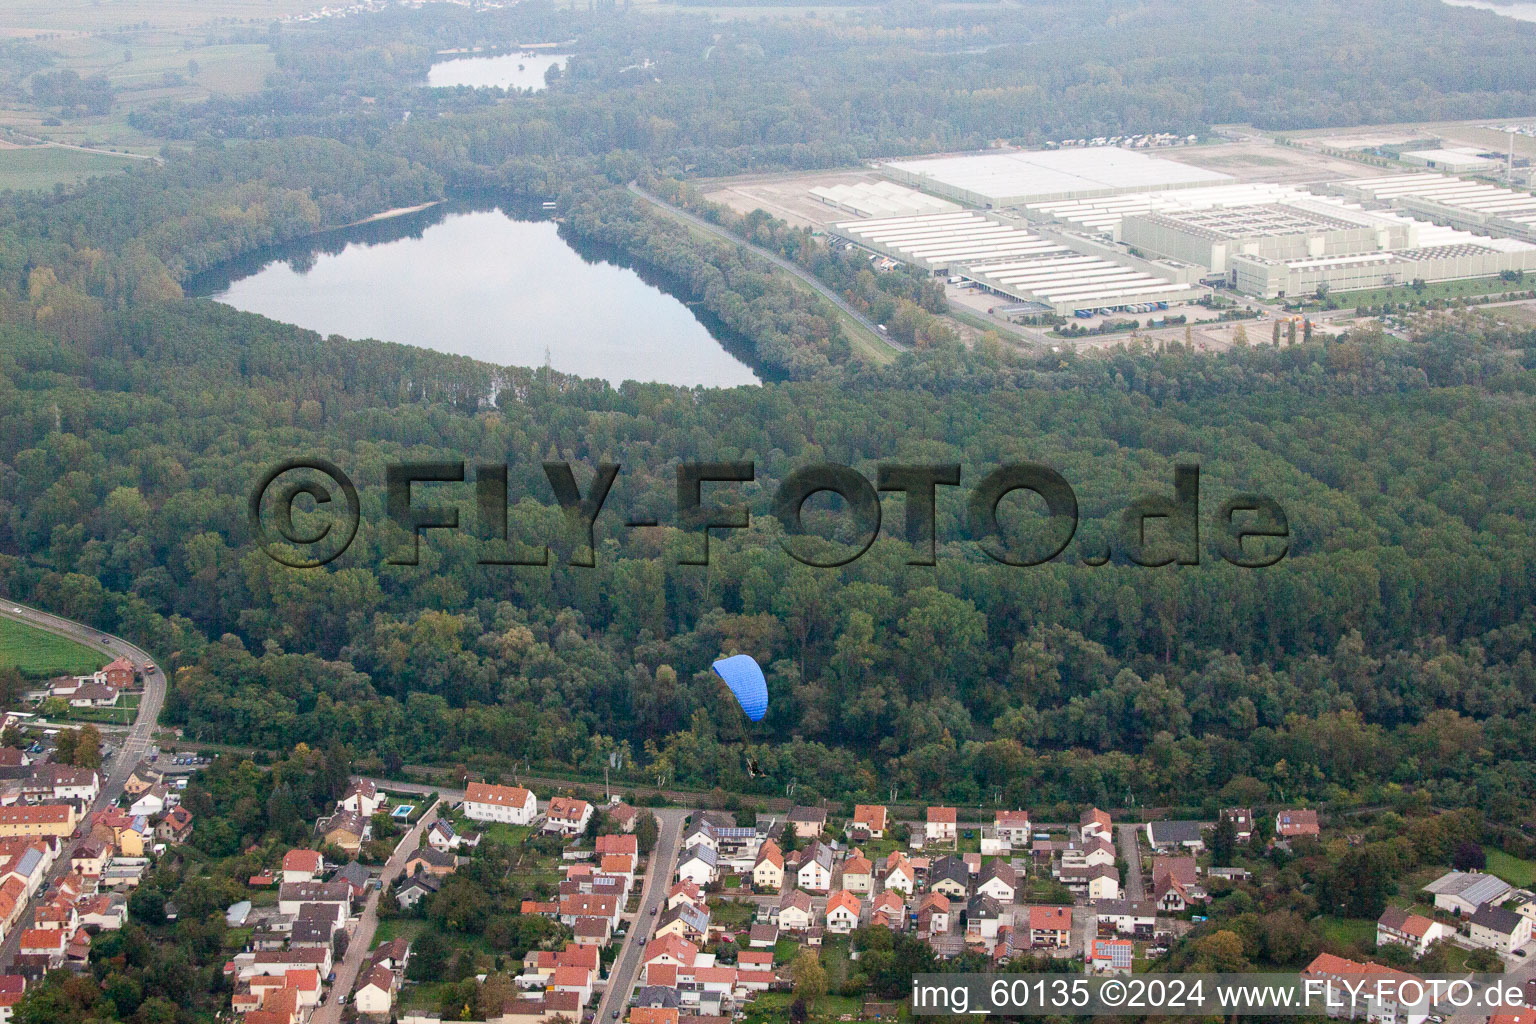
{"points": [[939, 242], [1020, 177], [1469, 205]]}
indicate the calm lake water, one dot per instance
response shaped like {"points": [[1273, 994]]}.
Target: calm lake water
{"points": [[511, 71], [487, 283], [1520, 12]]}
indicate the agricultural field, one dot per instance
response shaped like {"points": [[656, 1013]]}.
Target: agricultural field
{"points": [[40, 655], [34, 167]]}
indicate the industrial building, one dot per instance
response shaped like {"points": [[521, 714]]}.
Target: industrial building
{"points": [[1451, 160], [1015, 178], [1456, 202], [1482, 257], [881, 199], [1300, 228], [1069, 283], [1012, 262], [1103, 215], [939, 242], [1108, 230]]}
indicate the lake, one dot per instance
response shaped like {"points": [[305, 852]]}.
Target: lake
{"points": [[510, 71], [1518, 11], [492, 282]]}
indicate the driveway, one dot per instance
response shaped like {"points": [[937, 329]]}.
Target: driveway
{"points": [[1130, 852]]}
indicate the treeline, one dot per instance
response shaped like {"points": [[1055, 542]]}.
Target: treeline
{"points": [[693, 96], [1389, 652], [793, 332]]}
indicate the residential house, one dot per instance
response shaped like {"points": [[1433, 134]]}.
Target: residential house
{"points": [[375, 994], [1242, 819], [983, 917], [1095, 822], [869, 821], [442, 836], [60, 783], [433, 862], [1293, 824], [795, 914], [1498, 928], [763, 936], [142, 778], [1175, 883], [48, 943], [808, 822], [933, 914], [94, 695], [292, 895], [1173, 836], [567, 816], [361, 798], [302, 865], [624, 816], [151, 802], [37, 820], [950, 876], [1050, 927], [176, 827], [106, 912], [940, 825], [1137, 918], [124, 831], [899, 874], [593, 905], [888, 911], [1013, 828], [511, 805], [685, 892], [1415, 931], [843, 911], [627, 845], [347, 830], [1352, 990], [1462, 892], [686, 921], [416, 888], [118, 673], [858, 873], [669, 950], [699, 865], [12, 988], [702, 833], [1112, 956], [1088, 853], [1000, 881], [768, 872], [813, 868], [1097, 883], [90, 858]]}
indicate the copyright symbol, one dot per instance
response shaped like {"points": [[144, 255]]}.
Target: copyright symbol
{"points": [[1112, 993], [271, 503]]}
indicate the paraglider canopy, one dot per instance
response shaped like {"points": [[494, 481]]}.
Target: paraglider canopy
{"points": [[742, 674]]}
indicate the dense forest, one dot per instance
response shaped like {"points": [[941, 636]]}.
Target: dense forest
{"points": [[1388, 657]]}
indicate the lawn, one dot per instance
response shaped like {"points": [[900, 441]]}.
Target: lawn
{"points": [[1359, 932], [42, 167], [785, 950], [38, 654], [1514, 870]]}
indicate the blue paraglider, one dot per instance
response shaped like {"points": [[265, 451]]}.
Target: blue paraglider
{"points": [[742, 674]]}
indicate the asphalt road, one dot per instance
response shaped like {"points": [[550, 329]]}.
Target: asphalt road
{"points": [[658, 879], [1130, 851], [361, 941], [132, 749]]}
